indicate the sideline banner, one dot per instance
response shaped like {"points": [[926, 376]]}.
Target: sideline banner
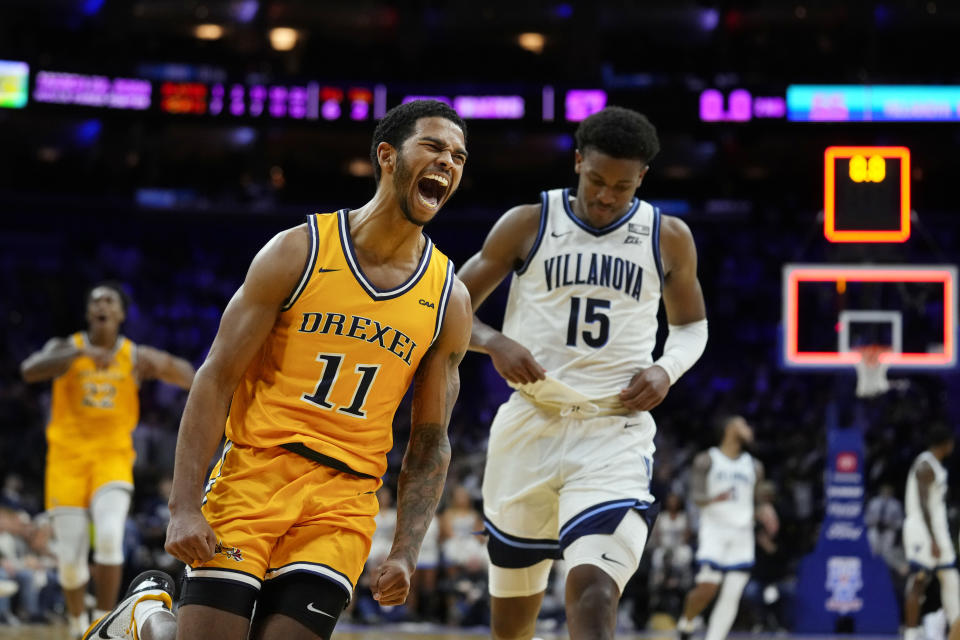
{"points": [[841, 586]]}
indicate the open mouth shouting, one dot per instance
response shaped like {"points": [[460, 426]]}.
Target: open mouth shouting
{"points": [[431, 189]]}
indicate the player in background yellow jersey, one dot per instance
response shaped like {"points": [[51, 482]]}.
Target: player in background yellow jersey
{"points": [[96, 378], [334, 321]]}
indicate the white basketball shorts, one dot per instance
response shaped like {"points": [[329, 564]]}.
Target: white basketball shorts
{"points": [[916, 545], [551, 479], [725, 548]]}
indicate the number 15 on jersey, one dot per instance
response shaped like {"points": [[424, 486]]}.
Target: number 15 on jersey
{"points": [[593, 314]]}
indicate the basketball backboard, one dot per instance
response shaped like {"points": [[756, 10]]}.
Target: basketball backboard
{"points": [[831, 311]]}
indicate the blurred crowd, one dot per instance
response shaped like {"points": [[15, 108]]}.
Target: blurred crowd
{"points": [[181, 280]]}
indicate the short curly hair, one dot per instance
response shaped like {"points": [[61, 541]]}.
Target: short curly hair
{"points": [[398, 124], [125, 300], [939, 434], [620, 133]]}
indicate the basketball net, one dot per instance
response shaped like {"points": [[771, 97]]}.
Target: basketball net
{"points": [[871, 372]]}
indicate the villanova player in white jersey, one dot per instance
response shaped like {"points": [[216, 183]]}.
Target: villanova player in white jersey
{"points": [[723, 485], [570, 454], [926, 534]]}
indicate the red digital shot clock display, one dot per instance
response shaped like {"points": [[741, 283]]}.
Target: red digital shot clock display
{"points": [[866, 194]]}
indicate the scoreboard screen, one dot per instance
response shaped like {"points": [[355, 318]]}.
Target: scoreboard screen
{"points": [[866, 194], [13, 84]]}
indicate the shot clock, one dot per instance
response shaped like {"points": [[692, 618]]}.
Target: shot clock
{"points": [[866, 194]]}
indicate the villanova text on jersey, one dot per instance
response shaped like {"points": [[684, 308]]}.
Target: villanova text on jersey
{"points": [[585, 299], [735, 477], [599, 270]]}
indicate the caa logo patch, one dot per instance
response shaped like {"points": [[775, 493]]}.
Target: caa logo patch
{"points": [[426, 303], [846, 462]]}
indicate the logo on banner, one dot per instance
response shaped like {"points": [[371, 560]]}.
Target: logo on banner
{"points": [[845, 491], [844, 581], [844, 509], [846, 462], [844, 531]]}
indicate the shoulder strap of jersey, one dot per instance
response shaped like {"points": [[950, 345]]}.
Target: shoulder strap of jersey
{"points": [[544, 214], [130, 346], [655, 243], [444, 295], [308, 267]]}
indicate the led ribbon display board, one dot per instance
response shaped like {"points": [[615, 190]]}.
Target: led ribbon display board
{"points": [[13, 84], [873, 103]]}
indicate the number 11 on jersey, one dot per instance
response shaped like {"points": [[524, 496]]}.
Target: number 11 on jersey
{"points": [[331, 372]]}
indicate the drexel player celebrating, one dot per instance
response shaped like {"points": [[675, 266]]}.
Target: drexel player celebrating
{"points": [[316, 349], [570, 453]]}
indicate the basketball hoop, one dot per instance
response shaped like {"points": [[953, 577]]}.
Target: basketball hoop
{"points": [[871, 372]]}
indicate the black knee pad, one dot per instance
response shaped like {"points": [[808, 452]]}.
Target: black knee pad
{"points": [[226, 595], [311, 600]]}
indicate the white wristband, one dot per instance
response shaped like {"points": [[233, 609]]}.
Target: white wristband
{"points": [[684, 346]]}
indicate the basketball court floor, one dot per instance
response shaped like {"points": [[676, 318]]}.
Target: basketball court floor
{"points": [[428, 632]]}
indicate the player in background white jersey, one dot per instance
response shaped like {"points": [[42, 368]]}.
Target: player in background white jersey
{"points": [[570, 454], [926, 534], [723, 485]]}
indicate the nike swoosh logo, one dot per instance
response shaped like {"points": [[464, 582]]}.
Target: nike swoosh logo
{"points": [[312, 608], [604, 556], [557, 235], [631, 424], [322, 270]]}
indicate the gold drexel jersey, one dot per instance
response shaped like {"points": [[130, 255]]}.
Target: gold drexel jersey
{"points": [[343, 352], [96, 409]]}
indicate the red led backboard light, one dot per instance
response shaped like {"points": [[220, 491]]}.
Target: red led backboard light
{"points": [[866, 166], [793, 275]]}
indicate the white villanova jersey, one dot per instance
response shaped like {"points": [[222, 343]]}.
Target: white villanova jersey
{"points": [[585, 300], [936, 497], [739, 475]]}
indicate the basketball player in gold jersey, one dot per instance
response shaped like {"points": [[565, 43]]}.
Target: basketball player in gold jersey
{"points": [[314, 353], [96, 377]]}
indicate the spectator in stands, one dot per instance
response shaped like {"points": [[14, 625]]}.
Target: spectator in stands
{"points": [[671, 574], [884, 519], [27, 565], [762, 595], [422, 601], [464, 552]]}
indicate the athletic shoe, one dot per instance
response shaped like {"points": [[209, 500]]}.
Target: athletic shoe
{"points": [[119, 623]]}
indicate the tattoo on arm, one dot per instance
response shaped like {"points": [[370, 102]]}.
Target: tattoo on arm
{"points": [[698, 480], [758, 497], [453, 385], [424, 469], [420, 487]]}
